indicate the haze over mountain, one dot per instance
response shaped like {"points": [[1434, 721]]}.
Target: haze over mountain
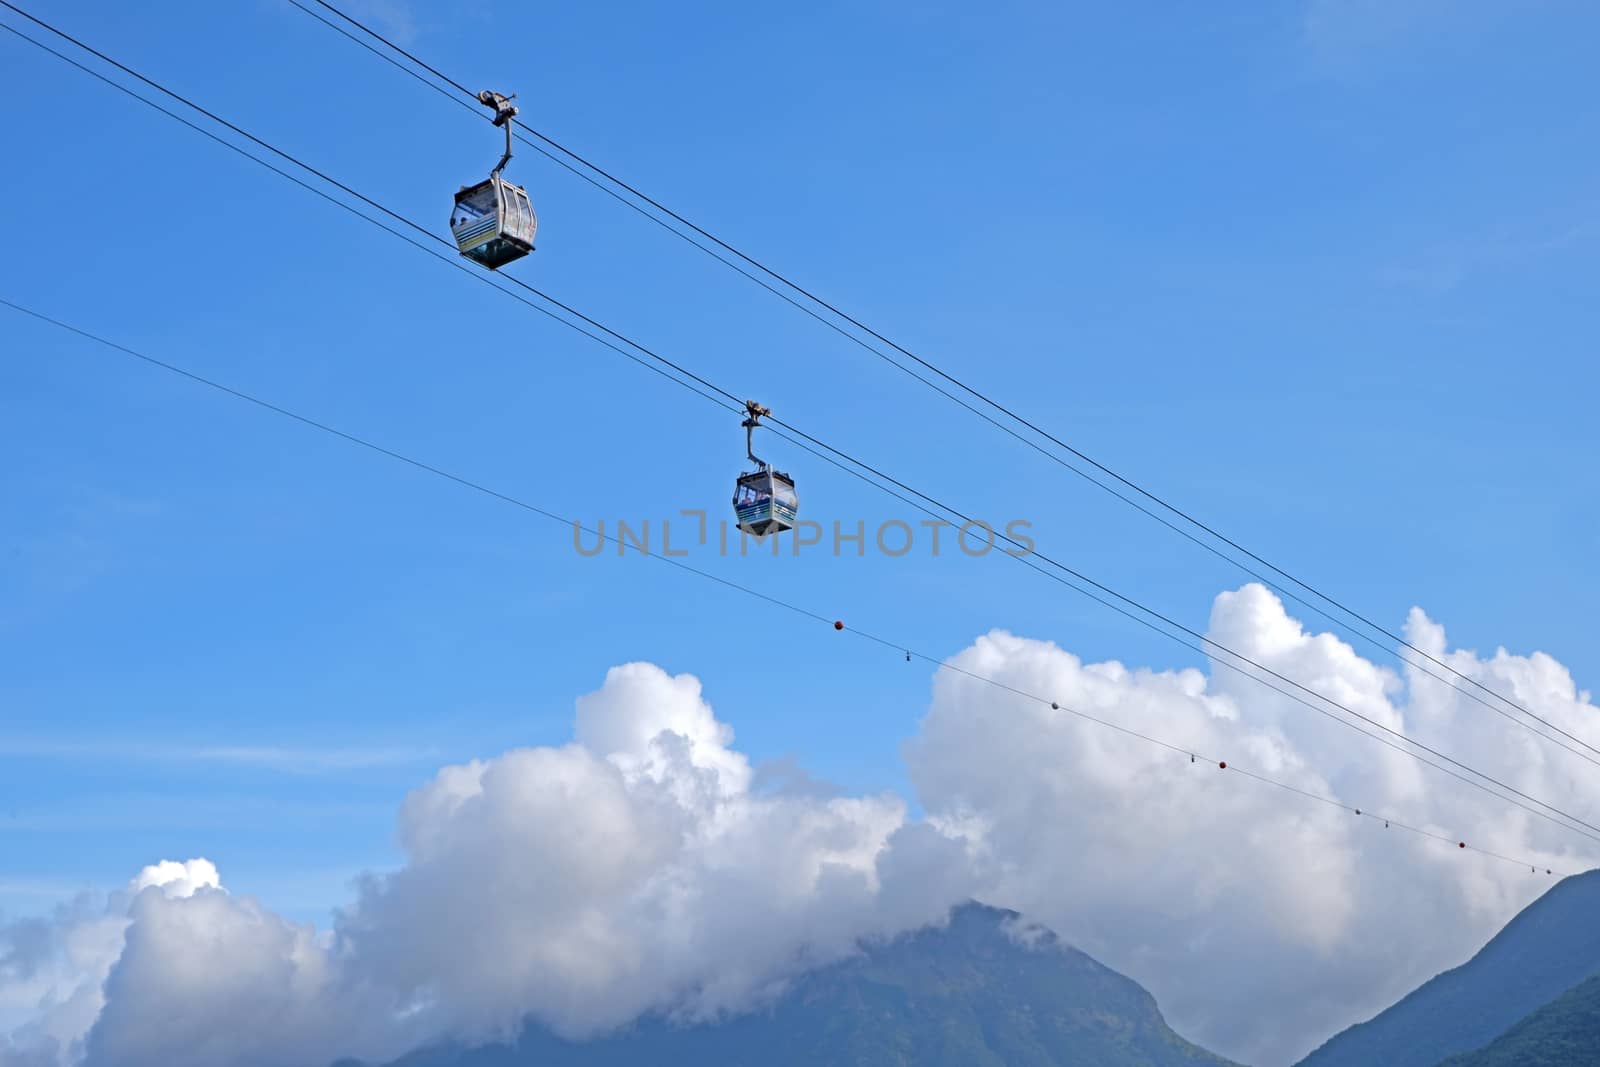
{"points": [[984, 991], [1549, 948]]}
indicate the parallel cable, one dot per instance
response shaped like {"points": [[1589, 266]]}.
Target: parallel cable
{"points": [[423, 230], [1461, 679], [1581, 826], [624, 545], [1207, 646]]}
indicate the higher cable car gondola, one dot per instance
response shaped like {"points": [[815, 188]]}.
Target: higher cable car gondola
{"points": [[763, 499], [493, 221]]}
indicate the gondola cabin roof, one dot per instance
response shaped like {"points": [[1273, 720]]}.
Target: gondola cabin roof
{"points": [[753, 477]]}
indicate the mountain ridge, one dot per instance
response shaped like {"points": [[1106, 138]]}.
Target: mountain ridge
{"points": [[976, 992], [1545, 950]]}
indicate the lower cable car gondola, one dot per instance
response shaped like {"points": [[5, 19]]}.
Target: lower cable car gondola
{"points": [[493, 221], [763, 499]]}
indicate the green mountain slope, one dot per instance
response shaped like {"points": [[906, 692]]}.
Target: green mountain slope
{"points": [[968, 995], [1551, 946], [1563, 1033]]}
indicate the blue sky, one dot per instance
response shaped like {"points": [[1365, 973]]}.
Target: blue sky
{"points": [[1319, 272]]}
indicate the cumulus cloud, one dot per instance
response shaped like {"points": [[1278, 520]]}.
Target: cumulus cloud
{"points": [[646, 868], [631, 871], [52, 970], [634, 870], [1224, 896], [214, 980], [178, 879]]}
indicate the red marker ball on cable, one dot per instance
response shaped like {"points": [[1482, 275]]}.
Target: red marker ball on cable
{"points": [[1222, 766], [838, 625]]}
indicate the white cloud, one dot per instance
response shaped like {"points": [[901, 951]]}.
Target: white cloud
{"points": [[52, 969], [281, 759], [210, 980], [633, 870], [1344, 36], [644, 868], [1444, 266], [395, 19], [1262, 922], [178, 879], [1339, 26]]}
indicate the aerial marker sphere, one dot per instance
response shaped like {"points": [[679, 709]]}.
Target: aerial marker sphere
{"points": [[1054, 706], [1461, 844], [1222, 766], [1358, 811], [838, 625]]}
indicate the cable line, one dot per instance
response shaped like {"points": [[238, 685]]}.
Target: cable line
{"points": [[1550, 813], [1462, 680], [807, 613]]}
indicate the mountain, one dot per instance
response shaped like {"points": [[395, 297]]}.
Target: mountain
{"points": [[967, 995], [1563, 1033], [1551, 946]]}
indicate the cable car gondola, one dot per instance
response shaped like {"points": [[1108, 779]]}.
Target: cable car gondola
{"points": [[493, 221], [763, 499]]}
